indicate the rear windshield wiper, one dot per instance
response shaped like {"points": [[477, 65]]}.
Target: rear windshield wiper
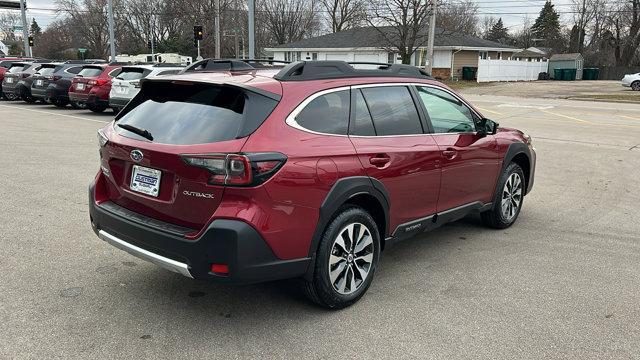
{"points": [[136, 130]]}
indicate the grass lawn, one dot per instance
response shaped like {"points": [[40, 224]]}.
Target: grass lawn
{"points": [[630, 96]]}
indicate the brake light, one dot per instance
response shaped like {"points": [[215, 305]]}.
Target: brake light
{"points": [[98, 82], [238, 169]]}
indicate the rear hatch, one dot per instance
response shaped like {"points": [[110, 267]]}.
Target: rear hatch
{"points": [[168, 148], [13, 74], [86, 79], [43, 76], [127, 84]]}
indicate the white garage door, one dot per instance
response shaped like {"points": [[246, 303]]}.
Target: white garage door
{"points": [[367, 57], [338, 56]]}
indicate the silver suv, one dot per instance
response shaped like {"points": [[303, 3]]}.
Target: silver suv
{"points": [[126, 85]]}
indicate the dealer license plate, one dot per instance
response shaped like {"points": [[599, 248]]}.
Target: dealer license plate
{"points": [[145, 180], [80, 86], [9, 80], [38, 82]]}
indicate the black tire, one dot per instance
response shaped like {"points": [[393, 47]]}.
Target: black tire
{"points": [[78, 105], [59, 103], [321, 290], [96, 108], [496, 217], [635, 86], [28, 99]]}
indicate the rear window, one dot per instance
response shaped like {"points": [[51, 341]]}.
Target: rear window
{"points": [[74, 70], [46, 71], [16, 69], [188, 114], [90, 72], [132, 74], [6, 64]]}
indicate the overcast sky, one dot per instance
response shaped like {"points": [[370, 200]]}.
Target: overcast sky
{"points": [[511, 11]]}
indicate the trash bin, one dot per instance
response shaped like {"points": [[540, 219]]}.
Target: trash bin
{"points": [[557, 74], [590, 74], [468, 73], [568, 74]]}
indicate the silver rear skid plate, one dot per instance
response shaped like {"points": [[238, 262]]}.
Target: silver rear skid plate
{"points": [[164, 262]]}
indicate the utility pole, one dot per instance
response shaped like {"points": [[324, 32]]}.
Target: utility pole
{"points": [[25, 31], [217, 29], [237, 50], [151, 35], [252, 30], [432, 31], [112, 36]]}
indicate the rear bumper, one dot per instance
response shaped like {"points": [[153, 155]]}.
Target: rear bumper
{"points": [[78, 97], [94, 100], [40, 93], [118, 103], [11, 89], [230, 242]]}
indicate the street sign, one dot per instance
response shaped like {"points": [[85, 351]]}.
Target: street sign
{"points": [[17, 28], [82, 51]]}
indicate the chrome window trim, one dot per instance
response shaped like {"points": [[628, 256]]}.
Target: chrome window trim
{"points": [[291, 118]]}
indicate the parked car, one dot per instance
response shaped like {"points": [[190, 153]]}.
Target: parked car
{"points": [[309, 173], [632, 81], [127, 84], [26, 83], [11, 78], [92, 85], [54, 87]]}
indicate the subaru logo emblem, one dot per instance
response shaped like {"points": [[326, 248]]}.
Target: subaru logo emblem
{"points": [[136, 155]]}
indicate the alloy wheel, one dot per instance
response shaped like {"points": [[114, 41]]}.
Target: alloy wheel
{"points": [[511, 196], [351, 258]]}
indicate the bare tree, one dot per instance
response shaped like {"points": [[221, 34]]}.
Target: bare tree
{"points": [[487, 23], [344, 14], [458, 17], [400, 24], [289, 20]]}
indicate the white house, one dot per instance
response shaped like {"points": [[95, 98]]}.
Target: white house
{"points": [[452, 51]]}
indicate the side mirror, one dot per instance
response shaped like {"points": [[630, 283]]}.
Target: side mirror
{"points": [[487, 127]]}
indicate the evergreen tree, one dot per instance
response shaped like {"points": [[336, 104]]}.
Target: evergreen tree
{"points": [[575, 39], [546, 29], [35, 28], [498, 33]]}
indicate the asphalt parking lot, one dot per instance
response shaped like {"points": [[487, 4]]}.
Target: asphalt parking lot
{"points": [[563, 282]]}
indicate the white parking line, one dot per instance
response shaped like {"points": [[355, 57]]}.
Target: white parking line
{"points": [[55, 114], [553, 103]]}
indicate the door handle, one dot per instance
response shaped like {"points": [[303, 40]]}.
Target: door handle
{"points": [[380, 160], [450, 153]]}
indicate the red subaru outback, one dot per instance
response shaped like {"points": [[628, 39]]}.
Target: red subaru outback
{"points": [[309, 172]]}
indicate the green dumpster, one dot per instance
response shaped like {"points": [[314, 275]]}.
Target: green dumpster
{"points": [[590, 74], [568, 74], [468, 73], [557, 74]]}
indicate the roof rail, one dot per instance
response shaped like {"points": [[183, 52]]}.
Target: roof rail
{"points": [[159, 65], [335, 69], [219, 65]]}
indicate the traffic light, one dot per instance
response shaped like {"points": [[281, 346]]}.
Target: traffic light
{"points": [[30, 40], [197, 32], [149, 44]]}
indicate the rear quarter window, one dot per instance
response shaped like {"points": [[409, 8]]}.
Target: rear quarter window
{"points": [[327, 114], [186, 114]]}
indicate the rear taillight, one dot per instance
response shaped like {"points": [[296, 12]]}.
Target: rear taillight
{"points": [[136, 84], [98, 82], [238, 169]]}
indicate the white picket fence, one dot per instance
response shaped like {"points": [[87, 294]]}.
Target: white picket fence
{"points": [[510, 70]]}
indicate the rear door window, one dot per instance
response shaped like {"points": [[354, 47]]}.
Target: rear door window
{"points": [[90, 71], [327, 114], [195, 113], [392, 110], [362, 124]]}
